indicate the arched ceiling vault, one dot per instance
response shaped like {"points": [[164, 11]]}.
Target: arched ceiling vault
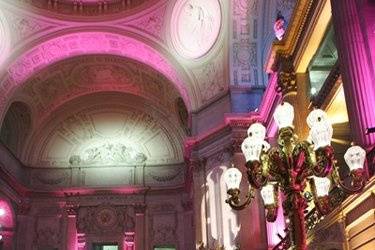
{"points": [[71, 78], [62, 47], [105, 129], [142, 92]]}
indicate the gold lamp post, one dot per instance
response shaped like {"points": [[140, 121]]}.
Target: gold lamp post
{"points": [[290, 165]]}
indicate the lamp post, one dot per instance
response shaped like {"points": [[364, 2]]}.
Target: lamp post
{"points": [[290, 165]]}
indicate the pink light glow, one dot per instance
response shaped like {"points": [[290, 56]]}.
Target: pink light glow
{"points": [[89, 43], [6, 218]]}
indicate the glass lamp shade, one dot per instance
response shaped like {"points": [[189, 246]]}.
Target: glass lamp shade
{"points": [[268, 194], [355, 157], [252, 148], [257, 131], [284, 115], [232, 177], [321, 134], [322, 186], [2, 212], [316, 116]]}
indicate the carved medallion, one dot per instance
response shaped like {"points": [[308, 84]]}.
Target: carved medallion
{"points": [[195, 26], [106, 217]]}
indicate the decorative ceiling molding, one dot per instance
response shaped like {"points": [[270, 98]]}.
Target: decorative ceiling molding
{"points": [[90, 43], [50, 88], [85, 10], [122, 130]]}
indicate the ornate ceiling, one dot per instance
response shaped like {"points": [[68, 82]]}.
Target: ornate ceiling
{"points": [[106, 129], [111, 83], [86, 8]]}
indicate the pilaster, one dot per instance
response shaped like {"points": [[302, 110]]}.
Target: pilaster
{"points": [[358, 80]]}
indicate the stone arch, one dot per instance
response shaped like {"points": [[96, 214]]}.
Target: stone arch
{"points": [[78, 43]]}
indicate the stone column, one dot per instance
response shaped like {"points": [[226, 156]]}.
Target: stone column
{"points": [[358, 81], [71, 228], [81, 242], [366, 9], [140, 227]]}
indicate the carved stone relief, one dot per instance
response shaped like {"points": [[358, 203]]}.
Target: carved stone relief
{"points": [[78, 76], [164, 229], [48, 232], [151, 23], [107, 136], [195, 26], [244, 40], [158, 176], [105, 219], [25, 26], [212, 80], [89, 43], [51, 178], [252, 36]]}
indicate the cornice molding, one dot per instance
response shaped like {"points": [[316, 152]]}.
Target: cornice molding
{"points": [[308, 16], [295, 29]]}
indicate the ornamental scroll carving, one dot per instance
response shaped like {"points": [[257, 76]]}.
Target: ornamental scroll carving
{"points": [[286, 82], [164, 229]]}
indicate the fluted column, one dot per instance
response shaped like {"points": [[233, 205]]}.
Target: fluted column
{"points": [[358, 80]]}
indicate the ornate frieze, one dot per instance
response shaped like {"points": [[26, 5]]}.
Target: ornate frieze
{"points": [[244, 42], [105, 219]]}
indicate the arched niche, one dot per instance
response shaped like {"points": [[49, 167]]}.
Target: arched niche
{"points": [[16, 126]]}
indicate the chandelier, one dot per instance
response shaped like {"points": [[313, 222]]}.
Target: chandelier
{"points": [[290, 165]]}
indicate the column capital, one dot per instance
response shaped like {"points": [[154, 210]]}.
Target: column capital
{"points": [[140, 208], [286, 76], [71, 209]]}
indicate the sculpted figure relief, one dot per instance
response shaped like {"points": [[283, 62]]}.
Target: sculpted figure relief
{"points": [[195, 26]]}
